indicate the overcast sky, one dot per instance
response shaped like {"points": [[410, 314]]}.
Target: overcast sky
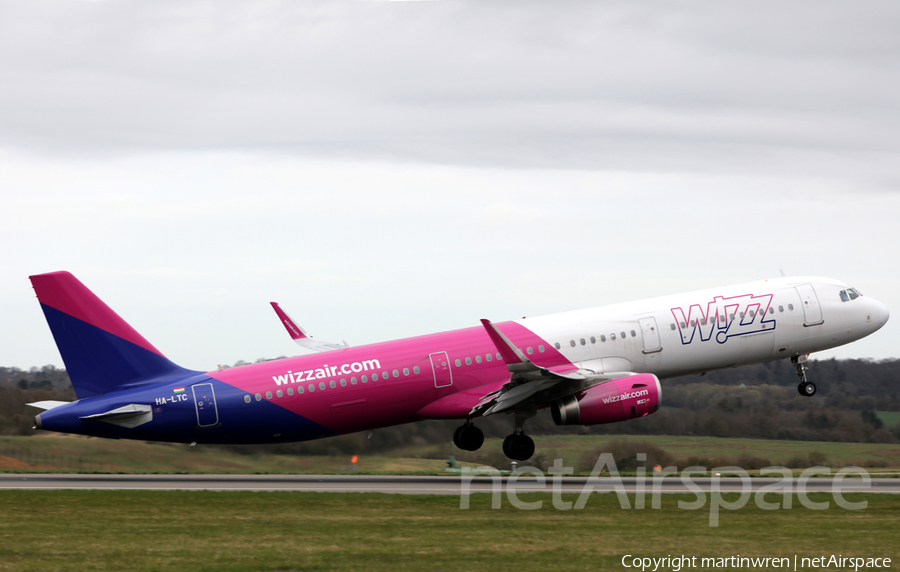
{"points": [[387, 169]]}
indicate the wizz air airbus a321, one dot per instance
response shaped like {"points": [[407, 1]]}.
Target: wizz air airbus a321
{"points": [[600, 365]]}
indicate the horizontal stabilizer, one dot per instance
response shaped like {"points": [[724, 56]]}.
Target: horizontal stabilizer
{"points": [[46, 405], [128, 416], [300, 336]]}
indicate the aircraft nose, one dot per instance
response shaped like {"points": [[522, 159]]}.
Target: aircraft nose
{"points": [[880, 312]]}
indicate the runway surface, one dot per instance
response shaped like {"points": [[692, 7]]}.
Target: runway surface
{"points": [[437, 485]]}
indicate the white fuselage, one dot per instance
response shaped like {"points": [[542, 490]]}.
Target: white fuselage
{"points": [[714, 328]]}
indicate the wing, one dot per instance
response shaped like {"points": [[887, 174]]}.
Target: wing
{"points": [[300, 336], [531, 382]]}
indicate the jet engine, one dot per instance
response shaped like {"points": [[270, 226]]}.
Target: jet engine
{"points": [[616, 400]]}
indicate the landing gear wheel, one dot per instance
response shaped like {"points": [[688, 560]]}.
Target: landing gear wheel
{"points": [[468, 437], [518, 447], [807, 389], [456, 433]]}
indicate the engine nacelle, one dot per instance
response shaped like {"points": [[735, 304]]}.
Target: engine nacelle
{"points": [[617, 400]]}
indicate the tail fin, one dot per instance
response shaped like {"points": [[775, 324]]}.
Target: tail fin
{"points": [[101, 351]]}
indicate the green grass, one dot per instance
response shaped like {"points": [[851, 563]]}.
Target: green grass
{"points": [[237, 531], [79, 454], [889, 418], [572, 447]]}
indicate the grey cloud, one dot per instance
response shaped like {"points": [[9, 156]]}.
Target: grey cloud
{"points": [[752, 87]]}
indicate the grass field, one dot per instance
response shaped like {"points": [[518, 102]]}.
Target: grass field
{"points": [[889, 418], [233, 532], [78, 454]]}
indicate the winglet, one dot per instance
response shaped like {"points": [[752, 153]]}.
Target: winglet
{"points": [[295, 331], [300, 336], [513, 356]]}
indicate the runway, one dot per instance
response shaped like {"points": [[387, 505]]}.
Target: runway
{"points": [[424, 485]]}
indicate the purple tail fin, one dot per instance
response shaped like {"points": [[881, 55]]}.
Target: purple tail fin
{"points": [[101, 351]]}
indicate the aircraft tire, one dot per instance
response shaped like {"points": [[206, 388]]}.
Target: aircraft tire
{"points": [[456, 435], [470, 438], [808, 389], [518, 447]]}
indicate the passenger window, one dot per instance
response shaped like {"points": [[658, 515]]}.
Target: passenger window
{"points": [[279, 393], [572, 343], [416, 370], [405, 371], [790, 307], [343, 383], [612, 337], [602, 338], [312, 387], [331, 384], [290, 391], [693, 323], [468, 361], [722, 319], [396, 373], [247, 399], [478, 358], [703, 321], [268, 395], [556, 345], [258, 396], [541, 348], [530, 350], [781, 308], [593, 340], [322, 385], [384, 375], [771, 310], [458, 363], [741, 314], [352, 381], [673, 327], [365, 379], [633, 334], [584, 343], [488, 357], [623, 335], [300, 390], [683, 326], [499, 357]]}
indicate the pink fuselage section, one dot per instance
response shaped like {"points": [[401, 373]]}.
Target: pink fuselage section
{"points": [[401, 378]]}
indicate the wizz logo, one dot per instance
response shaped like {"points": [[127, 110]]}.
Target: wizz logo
{"points": [[725, 317]]}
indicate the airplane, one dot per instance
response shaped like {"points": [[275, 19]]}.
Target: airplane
{"points": [[599, 365]]}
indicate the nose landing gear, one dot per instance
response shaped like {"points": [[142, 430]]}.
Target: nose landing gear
{"points": [[806, 388]]}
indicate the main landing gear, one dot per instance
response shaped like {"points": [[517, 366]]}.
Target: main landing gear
{"points": [[519, 446], [806, 388], [468, 437]]}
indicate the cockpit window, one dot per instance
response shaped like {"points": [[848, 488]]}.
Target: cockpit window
{"points": [[850, 294]]}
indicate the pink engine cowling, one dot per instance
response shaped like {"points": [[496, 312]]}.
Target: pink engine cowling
{"points": [[617, 400]]}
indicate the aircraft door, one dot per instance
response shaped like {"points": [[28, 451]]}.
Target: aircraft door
{"points": [[440, 365], [650, 334], [812, 312], [205, 404]]}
